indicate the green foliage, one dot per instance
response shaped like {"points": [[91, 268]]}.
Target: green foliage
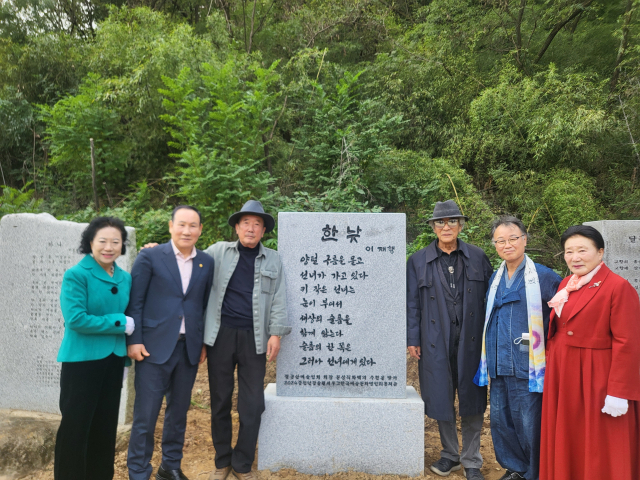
{"points": [[151, 224], [71, 123], [18, 201], [536, 123], [339, 131], [16, 131], [549, 203], [218, 121], [324, 105]]}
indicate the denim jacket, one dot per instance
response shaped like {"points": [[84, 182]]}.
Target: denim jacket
{"points": [[269, 293], [509, 321]]}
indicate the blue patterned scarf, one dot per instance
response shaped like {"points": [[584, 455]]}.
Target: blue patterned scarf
{"points": [[537, 360]]}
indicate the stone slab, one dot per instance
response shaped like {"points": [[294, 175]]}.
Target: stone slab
{"points": [[329, 435], [622, 247], [345, 276], [35, 251]]}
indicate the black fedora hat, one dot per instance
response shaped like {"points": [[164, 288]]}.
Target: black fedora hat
{"points": [[448, 209], [253, 207]]}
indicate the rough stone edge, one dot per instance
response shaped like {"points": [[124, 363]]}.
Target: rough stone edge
{"points": [[43, 448]]}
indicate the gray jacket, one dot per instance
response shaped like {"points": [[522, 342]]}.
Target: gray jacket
{"points": [[269, 293]]}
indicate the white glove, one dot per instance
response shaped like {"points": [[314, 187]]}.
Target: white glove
{"points": [[615, 406], [131, 326]]}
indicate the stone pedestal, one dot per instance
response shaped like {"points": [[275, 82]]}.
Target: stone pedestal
{"points": [[320, 435]]}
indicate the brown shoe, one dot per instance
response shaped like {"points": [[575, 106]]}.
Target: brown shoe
{"points": [[251, 475], [220, 473]]}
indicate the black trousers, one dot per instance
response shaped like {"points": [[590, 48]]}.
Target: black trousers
{"points": [[89, 402], [235, 347]]}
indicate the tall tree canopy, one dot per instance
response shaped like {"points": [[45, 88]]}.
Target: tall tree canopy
{"points": [[527, 107]]}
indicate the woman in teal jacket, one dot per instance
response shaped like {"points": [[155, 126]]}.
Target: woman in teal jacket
{"points": [[94, 296]]}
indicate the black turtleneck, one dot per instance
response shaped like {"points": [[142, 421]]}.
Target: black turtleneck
{"points": [[237, 304]]}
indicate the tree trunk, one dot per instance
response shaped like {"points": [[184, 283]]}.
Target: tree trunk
{"points": [[93, 178], [623, 45], [523, 4], [558, 26], [253, 16]]}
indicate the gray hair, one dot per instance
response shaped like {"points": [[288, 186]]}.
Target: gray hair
{"points": [[461, 221], [508, 220]]}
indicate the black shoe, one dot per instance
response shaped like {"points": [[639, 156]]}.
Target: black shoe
{"points": [[444, 467], [509, 475], [170, 474], [473, 474]]}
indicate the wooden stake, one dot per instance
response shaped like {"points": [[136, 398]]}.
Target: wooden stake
{"points": [[93, 178]]}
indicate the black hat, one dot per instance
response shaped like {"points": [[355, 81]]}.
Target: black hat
{"points": [[253, 207], [448, 209]]}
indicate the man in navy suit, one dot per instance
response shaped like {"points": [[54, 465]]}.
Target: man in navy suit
{"points": [[169, 294]]}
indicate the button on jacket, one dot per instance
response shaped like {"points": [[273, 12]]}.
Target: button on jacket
{"points": [[93, 314], [269, 293]]}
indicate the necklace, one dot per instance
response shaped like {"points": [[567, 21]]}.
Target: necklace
{"points": [[450, 267]]}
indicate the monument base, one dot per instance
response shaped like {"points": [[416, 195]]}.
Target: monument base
{"points": [[325, 435]]}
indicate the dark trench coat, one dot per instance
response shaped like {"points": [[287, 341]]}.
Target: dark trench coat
{"points": [[428, 326]]}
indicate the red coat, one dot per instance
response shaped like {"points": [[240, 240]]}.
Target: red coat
{"points": [[593, 350]]}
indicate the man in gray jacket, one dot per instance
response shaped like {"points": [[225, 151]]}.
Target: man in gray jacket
{"points": [[245, 320]]}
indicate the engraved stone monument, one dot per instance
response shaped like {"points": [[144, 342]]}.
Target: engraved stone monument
{"points": [[341, 401], [35, 251], [621, 247]]}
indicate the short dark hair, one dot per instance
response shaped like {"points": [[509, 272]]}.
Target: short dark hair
{"points": [[584, 231], [99, 223], [508, 220], [185, 207]]}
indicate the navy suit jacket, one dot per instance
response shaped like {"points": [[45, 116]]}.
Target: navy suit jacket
{"points": [[157, 304]]}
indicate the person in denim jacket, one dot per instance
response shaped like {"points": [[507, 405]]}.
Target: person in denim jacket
{"points": [[515, 410]]}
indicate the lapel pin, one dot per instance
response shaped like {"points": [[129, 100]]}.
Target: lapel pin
{"points": [[200, 265], [597, 284]]}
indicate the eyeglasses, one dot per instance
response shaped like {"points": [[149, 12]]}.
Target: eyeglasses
{"points": [[452, 222], [511, 240]]}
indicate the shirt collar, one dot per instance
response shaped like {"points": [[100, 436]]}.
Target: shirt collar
{"points": [[262, 252], [179, 254], [440, 252], [520, 267]]}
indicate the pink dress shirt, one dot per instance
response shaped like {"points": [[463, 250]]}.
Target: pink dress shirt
{"points": [[185, 266]]}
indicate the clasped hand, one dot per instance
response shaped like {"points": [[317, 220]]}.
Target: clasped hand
{"points": [[137, 352]]}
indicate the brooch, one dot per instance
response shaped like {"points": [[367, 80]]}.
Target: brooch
{"points": [[597, 284]]}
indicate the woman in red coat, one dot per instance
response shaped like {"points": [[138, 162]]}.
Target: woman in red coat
{"points": [[591, 401]]}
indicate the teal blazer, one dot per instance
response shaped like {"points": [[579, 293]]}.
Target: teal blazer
{"points": [[94, 317]]}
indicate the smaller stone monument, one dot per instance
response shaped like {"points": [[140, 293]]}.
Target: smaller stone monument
{"points": [[341, 402], [621, 247], [35, 251]]}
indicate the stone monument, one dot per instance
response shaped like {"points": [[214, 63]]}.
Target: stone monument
{"points": [[621, 247], [35, 251], [341, 401]]}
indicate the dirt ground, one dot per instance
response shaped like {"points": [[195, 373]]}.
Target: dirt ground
{"points": [[199, 453]]}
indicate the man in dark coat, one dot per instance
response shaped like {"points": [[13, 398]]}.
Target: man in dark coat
{"points": [[446, 286]]}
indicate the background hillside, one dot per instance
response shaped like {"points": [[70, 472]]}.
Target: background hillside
{"points": [[528, 107]]}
